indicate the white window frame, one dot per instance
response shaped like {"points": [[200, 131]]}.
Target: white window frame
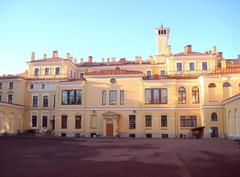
{"points": [[39, 71], [176, 66]]}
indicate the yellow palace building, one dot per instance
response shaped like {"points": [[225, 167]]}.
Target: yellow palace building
{"points": [[188, 94]]}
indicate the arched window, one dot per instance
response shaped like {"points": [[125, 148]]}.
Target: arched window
{"points": [[195, 94], [214, 116], [181, 95], [212, 96], [239, 87], [226, 84]]}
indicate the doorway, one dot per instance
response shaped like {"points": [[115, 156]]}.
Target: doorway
{"points": [[109, 129]]}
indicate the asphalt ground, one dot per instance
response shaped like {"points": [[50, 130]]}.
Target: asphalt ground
{"points": [[69, 157]]}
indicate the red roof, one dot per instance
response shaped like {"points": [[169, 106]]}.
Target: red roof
{"points": [[116, 71]]}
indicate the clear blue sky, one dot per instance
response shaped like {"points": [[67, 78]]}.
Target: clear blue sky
{"points": [[113, 28]]}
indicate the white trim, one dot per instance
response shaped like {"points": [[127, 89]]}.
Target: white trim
{"points": [[211, 106], [231, 99]]}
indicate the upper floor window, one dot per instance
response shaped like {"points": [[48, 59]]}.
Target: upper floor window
{"points": [[226, 84], [47, 71], [181, 95], [104, 97], [45, 101], [191, 66], [31, 86], [156, 96], [212, 92], [212, 85], [195, 94], [43, 86], [57, 70], [10, 85], [35, 101], [188, 121], [162, 73], [179, 67], [148, 121], [71, 97], [149, 73], [36, 72], [204, 65], [121, 97], [0, 85], [132, 121], [10, 99], [113, 97], [214, 116], [163, 120]]}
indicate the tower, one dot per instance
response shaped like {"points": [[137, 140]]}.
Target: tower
{"points": [[162, 40]]}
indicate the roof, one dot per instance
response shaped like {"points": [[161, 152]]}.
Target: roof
{"points": [[231, 99], [190, 53], [116, 71], [48, 60]]}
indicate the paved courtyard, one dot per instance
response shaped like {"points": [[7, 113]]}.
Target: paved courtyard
{"points": [[57, 157]]}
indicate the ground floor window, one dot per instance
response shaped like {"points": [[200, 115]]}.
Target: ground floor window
{"points": [[34, 121], [148, 121], [78, 122], [64, 122], [164, 135], [163, 120], [44, 121], [148, 135], [188, 121], [132, 121]]}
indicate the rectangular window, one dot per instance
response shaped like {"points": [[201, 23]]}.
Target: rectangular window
{"points": [[121, 97], [78, 121], [93, 121], [10, 99], [104, 97], [188, 121], [35, 101], [57, 70], [0, 97], [163, 120], [156, 96], [36, 72], [10, 85], [132, 121], [179, 67], [64, 122], [34, 121], [71, 97], [45, 121], [31, 86], [191, 66], [43, 86], [54, 100], [0, 85], [46, 71], [162, 73], [204, 66], [149, 73], [148, 121], [113, 97], [45, 101]]}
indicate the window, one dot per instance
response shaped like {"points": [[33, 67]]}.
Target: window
{"points": [[93, 122], [45, 101], [10, 85], [43, 86], [214, 116], [212, 92], [35, 101], [162, 73], [188, 121], [36, 72], [214, 132], [226, 84], [212, 85], [34, 121], [149, 73], [0, 85], [46, 71], [191, 66], [204, 66], [195, 94], [64, 122], [104, 97], [44, 121], [182, 95], [132, 121], [10, 99], [121, 97], [148, 121], [78, 121], [156, 96], [54, 100], [0, 97], [31, 86], [57, 70], [163, 120], [70, 97], [179, 67], [113, 97]]}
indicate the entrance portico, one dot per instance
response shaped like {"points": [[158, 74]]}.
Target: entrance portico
{"points": [[110, 124]]}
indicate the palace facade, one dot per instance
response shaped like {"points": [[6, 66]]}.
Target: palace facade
{"points": [[164, 96]]}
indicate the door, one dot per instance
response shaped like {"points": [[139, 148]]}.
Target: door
{"points": [[109, 129], [214, 132]]}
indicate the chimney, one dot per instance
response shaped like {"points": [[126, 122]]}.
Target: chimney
{"points": [[214, 50], [136, 59], [90, 59], [103, 60], [188, 49], [122, 61], [68, 56], [71, 59], [113, 60], [81, 61], [75, 61], [108, 60], [150, 59], [238, 56], [44, 56], [33, 56], [55, 54]]}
